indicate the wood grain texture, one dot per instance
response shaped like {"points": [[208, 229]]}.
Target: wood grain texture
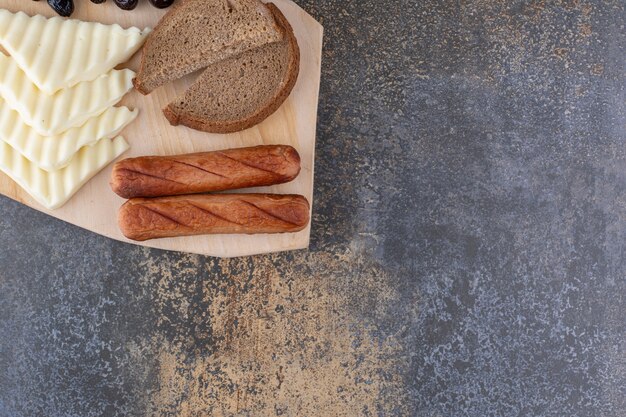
{"points": [[95, 206]]}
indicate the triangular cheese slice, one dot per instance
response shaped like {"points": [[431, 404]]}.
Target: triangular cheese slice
{"points": [[53, 189], [54, 152], [53, 114], [57, 53]]}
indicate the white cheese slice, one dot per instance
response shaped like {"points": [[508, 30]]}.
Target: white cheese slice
{"points": [[53, 189], [57, 53], [52, 114], [54, 152]]}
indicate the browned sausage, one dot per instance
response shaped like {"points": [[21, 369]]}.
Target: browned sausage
{"points": [[150, 218], [155, 176]]}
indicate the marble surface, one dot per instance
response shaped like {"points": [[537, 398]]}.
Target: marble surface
{"points": [[467, 254]]}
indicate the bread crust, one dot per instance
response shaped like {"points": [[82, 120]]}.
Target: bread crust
{"points": [[262, 113], [151, 218], [155, 176]]}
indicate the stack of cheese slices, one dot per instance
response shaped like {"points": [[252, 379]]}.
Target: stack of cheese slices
{"points": [[58, 126]]}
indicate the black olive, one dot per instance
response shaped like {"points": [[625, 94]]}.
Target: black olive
{"points": [[161, 4], [126, 4], [98, 1], [63, 7]]}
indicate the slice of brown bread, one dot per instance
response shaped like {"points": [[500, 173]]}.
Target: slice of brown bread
{"points": [[197, 33], [241, 91]]}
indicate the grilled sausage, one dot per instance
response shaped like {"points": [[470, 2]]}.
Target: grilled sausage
{"points": [[150, 218], [155, 176]]}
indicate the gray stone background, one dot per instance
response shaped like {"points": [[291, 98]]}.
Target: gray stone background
{"points": [[467, 254]]}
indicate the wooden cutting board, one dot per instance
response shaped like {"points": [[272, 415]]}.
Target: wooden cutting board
{"points": [[95, 206]]}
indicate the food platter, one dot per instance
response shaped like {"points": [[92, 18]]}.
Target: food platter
{"points": [[95, 206]]}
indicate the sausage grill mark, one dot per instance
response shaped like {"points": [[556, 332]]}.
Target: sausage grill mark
{"points": [[272, 215], [134, 171], [213, 214], [165, 216], [198, 168], [246, 163]]}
